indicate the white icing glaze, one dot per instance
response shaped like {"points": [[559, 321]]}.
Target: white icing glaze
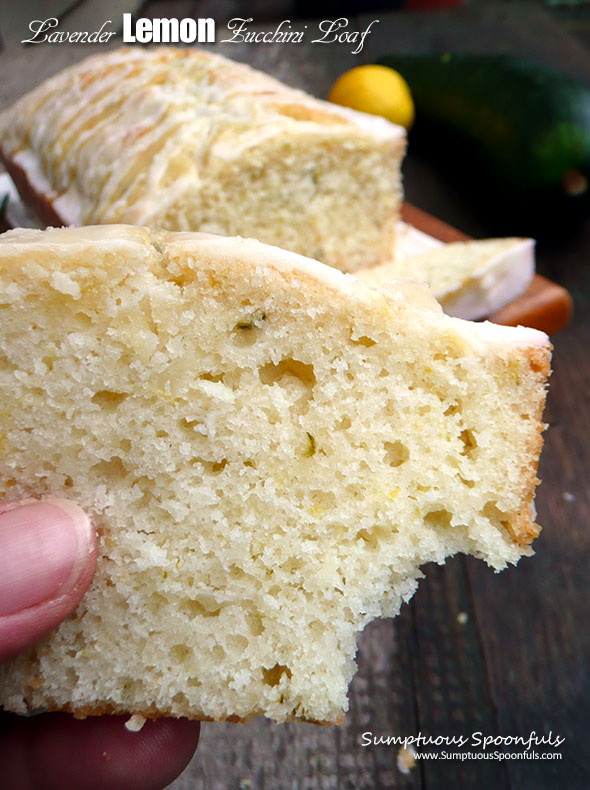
{"points": [[521, 336], [505, 277]]}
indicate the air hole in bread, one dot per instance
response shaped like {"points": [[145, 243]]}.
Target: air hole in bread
{"points": [[209, 467], [181, 653], [272, 676], [211, 377], [110, 470], [469, 441], [396, 453], [189, 425], [496, 516], [255, 623], [108, 400], [375, 535], [287, 372], [323, 501], [440, 518], [83, 319], [218, 466], [204, 605], [182, 279], [363, 340], [247, 329]]}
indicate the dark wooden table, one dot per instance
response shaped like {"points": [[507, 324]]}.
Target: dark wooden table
{"points": [[502, 654]]}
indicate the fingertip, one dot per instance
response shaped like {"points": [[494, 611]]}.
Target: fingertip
{"points": [[48, 552], [53, 751]]}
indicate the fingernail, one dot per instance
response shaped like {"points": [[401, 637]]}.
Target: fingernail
{"points": [[44, 547]]}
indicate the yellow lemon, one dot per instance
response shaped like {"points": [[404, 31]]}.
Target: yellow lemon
{"points": [[377, 90]]}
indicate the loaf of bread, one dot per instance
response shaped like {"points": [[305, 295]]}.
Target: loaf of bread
{"points": [[269, 451], [470, 279], [188, 140]]}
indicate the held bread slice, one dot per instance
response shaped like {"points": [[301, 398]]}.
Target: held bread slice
{"points": [[188, 140], [269, 450], [470, 279]]}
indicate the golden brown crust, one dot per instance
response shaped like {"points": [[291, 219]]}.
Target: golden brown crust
{"points": [[522, 529], [106, 709]]}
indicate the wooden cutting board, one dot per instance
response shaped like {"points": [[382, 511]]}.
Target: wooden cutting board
{"points": [[544, 305]]}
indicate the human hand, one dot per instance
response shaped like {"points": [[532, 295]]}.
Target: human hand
{"points": [[47, 559]]}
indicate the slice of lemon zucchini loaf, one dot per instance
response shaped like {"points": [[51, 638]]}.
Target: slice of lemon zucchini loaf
{"points": [[188, 140], [470, 279], [269, 450]]}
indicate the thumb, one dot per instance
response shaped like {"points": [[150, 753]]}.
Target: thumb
{"points": [[47, 558]]}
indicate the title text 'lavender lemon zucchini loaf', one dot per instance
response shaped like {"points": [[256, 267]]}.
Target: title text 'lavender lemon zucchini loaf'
{"points": [[269, 450], [187, 140]]}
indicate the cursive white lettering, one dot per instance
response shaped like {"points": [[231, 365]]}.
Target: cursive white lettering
{"points": [[40, 28], [335, 32]]}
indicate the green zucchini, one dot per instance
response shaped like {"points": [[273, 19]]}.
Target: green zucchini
{"points": [[507, 122]]}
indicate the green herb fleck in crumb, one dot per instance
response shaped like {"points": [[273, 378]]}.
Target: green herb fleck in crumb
{"points": [[251, 323], [310, 450]]}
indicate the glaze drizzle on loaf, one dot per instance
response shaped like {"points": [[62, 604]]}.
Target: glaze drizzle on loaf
{"points": [[188, 140]]}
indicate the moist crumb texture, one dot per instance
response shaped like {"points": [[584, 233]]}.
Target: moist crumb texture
{"points": [[210, 145], [269, 450]]}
